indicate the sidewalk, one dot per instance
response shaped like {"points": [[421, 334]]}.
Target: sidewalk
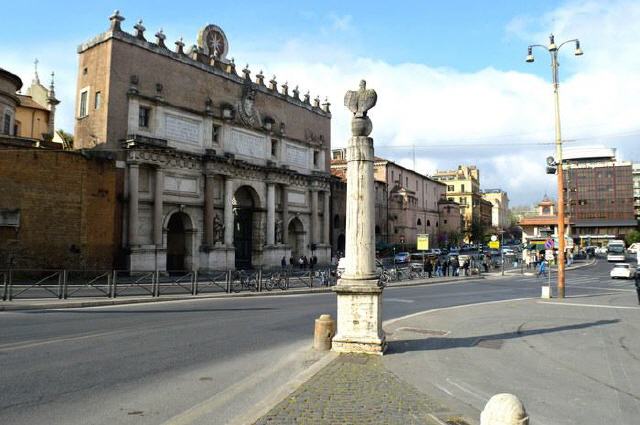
{"points": [[443, 365], [80, 302]]}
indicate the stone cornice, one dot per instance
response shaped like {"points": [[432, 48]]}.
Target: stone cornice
{"points": [[183, 58]]}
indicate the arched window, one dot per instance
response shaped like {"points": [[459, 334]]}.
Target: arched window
{"points": [[436, 224], [419, 222], [428, 223], [336, 220]]}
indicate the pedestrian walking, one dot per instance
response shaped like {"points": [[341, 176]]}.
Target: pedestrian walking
{"points": [[455, 265], [542, 269], [292, 261], [429, 268], [438, 268], [283, 262], [445, 267], [465, 267]]}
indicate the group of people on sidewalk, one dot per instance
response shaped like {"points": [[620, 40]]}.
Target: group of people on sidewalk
{"points": [[445, 267], [302, 262]]}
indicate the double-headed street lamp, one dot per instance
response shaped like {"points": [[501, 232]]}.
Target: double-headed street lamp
{"points": [[552, 48]]}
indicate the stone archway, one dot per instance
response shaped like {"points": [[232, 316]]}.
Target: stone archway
{"points": [[296, 238], [245, 201], [179, 242]]}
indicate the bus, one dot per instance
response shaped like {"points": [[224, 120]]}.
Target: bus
{"points": [[615, 250]]}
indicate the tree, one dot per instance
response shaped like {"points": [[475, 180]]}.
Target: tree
{"points": [[632, 237], [67, 138]]}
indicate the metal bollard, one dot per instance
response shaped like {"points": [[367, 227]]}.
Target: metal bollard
{"points": [[324, 331], [504, 409]]}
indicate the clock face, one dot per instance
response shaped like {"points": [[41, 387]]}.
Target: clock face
{"points": [[213, 41]]}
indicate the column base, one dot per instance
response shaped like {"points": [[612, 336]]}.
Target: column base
{"points": [[217, 257], [147, 258], [359, 321]]}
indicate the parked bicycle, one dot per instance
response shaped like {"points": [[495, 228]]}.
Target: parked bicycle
{"points": [[242, 280], [277, 280]]}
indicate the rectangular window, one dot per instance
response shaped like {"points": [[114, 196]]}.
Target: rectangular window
{"points": [[7, 123], [9, 217], [143, 117], [215, 133], [316, 158], [83, 104], [406, 182], [461, 188], [97, 100], [274, 147], [450, 188]]}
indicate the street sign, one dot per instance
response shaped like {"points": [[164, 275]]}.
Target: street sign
{"points": [[548, 244], [422, 242], [494, 238], [548, 254], [494, 244]]}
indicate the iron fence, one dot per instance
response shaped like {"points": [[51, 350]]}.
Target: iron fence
{"points": [[63, 284]]}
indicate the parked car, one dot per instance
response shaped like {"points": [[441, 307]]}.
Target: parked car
{"points": [[401, 257], [416, 259], [633, 248], [623, 271], [508, 252], [342, 264]]}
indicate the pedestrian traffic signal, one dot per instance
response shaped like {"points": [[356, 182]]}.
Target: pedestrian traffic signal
{"points": [[551, 169]]}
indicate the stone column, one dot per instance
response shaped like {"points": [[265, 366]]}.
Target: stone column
{"points": [[228, 212], [208, 210], [134, 195], [271, 213], [359, 296], [314, 216], [157, 208], [327, 218], [285, 215]]}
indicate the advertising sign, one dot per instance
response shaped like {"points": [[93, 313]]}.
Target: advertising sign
{"points": [[422, 242], [494, 244]]}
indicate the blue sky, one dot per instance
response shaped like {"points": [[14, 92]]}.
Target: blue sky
{"points": [[450, 76]]}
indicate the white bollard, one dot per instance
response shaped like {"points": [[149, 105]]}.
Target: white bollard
{"points": [[504, 409]]}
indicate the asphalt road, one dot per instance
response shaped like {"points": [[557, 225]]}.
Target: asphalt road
{"points": [[196, 361]]}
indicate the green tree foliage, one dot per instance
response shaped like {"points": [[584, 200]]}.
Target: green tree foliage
{"points": [[632, 237]]}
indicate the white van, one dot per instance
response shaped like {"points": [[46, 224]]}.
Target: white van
{"points": [[615, 250]]}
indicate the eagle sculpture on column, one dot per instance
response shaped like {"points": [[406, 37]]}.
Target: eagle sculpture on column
{"points": [[359, 102]]}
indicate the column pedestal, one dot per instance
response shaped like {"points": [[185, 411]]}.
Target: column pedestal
{"points": [[360, 316]]}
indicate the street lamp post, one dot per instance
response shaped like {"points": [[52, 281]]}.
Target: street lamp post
{"points": [[553, 49]]}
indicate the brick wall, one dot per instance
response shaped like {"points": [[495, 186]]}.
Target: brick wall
{"points": [[69, 210]]}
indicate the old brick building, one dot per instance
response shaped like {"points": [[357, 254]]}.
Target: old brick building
{"points": [[58, 209], [222, 170]]}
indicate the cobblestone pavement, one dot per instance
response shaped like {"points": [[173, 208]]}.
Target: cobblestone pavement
{"points": [[355, 389]]}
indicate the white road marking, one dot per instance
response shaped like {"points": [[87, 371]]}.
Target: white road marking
{"points": [[621, 307], [477, 393], [398, 300]]}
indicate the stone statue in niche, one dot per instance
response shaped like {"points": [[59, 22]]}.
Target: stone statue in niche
{"points": [[218, 229], [278, 231]]}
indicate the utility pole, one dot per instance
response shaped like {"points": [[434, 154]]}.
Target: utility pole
{"points": [[552, 48]]}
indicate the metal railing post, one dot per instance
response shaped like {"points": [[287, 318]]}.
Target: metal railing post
{"points": [[311, 279], [228, 281], [114, 284], [260, 279], [5, 286], [9, 295], [156, 283], [65, 291], [59, 285], [194, 287], [109, 284]]}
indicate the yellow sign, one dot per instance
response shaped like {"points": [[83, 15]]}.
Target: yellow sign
{"points": [[494, 244], [423, 242]]}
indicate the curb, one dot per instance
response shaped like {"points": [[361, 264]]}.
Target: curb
{"points": [[8, 306]]}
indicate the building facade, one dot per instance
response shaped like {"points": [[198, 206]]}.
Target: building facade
{"points": [[406, 202], [636, 189], [222, 170], [35, 116], [500, 207], [59, 210], [538, 227], [600, 193], [10, 84], [463, 187]]}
